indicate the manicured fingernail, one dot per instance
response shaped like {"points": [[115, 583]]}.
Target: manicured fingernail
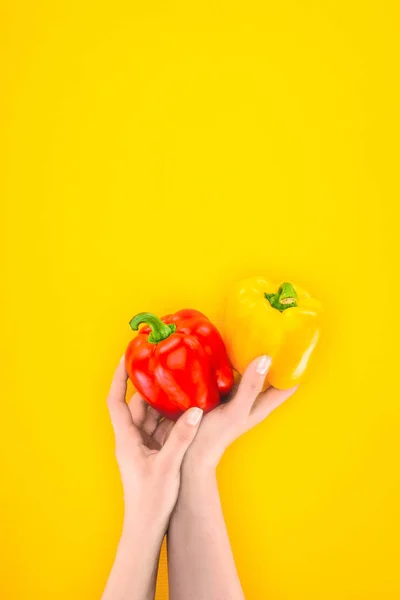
{"points": [[263, 364], [194, 415]]}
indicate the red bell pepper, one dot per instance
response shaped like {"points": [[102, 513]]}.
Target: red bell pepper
{"points": [[178, 361]]}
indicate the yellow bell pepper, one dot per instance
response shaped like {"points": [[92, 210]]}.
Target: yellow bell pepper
{"points": [[282, 321]]}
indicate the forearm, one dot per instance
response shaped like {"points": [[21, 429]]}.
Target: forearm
{"points": [[134, 572], [200, 560]]}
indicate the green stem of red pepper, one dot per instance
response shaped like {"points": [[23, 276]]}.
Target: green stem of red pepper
{"points": [[284, 298], [159, 330]]}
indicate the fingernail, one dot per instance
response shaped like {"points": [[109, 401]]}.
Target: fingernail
{"points": [[194, 415], [122, 359], [263, 364]]}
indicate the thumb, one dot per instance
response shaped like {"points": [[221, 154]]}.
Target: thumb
{"points": [[181, 436]]}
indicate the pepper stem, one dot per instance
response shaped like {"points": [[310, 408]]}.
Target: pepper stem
{"points": [[159, 330], [285, 297]]}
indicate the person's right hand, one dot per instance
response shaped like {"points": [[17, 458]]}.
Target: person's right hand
{"points": [[248, 407]]}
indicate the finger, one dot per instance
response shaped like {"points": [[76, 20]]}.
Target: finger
{"points": [[144, 416], [227, 399], [138, 407], [181, 436], [151, 420], [119, 411], [266, 403], [251, 385], [163, 430]]}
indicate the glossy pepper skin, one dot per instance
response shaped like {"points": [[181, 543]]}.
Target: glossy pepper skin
{"points": [[178, 362], [282, 321]]}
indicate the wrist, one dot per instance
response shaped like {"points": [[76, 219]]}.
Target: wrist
{"points": [[196, 497], [139, 537], [198, 482], [199, 466], [144, 519], [197, 474]]}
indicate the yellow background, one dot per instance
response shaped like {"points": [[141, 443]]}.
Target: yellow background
{"points": [[154, 152]]}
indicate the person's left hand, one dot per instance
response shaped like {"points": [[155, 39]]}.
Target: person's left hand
{"points": [[149, 451]]}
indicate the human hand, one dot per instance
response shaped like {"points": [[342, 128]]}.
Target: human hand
{"points": [[247, 407], [149, 452], [200, 560]]}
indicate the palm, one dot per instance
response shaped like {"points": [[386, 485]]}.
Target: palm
{"points": [[147, 421], [149, 431]]}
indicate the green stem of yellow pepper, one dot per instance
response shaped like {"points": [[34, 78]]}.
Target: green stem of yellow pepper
{"points": [[284, 298]]}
